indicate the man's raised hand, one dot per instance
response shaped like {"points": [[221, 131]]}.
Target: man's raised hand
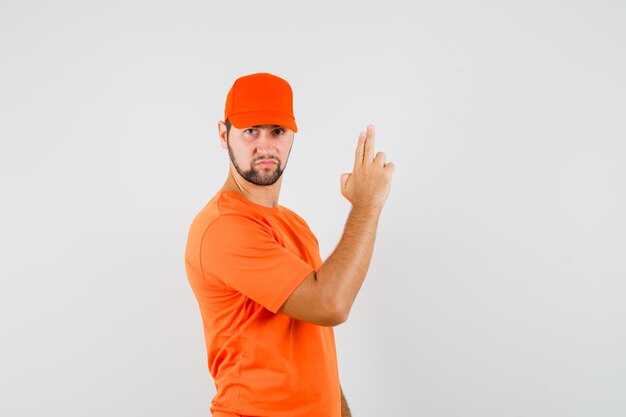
{"points": [[369, 183]]}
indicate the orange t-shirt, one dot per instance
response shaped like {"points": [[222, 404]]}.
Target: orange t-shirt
{"points": [[243, 261]]}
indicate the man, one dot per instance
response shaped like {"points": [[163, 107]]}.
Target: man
{"points": [[268, 302]]}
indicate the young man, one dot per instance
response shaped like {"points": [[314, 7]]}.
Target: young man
{"points": [[268, 302]]}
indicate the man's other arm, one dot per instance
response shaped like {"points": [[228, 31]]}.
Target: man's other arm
{"points": [[345, 410], [325, 297]]}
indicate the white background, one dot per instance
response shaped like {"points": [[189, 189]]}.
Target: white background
{"points": [[497, 285]]}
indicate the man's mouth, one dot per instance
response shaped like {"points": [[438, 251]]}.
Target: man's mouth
{"points": [[266, 162]]}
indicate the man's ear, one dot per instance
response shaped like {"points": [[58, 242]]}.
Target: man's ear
{"points": [[221, 128]]}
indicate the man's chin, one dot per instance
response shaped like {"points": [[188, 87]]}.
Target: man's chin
{"points": [[262, 179]]}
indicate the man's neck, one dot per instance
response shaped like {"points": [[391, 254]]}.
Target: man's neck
{"points": [[262, 195]]}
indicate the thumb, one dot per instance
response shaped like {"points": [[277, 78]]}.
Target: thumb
{"points": [[344, 180]]}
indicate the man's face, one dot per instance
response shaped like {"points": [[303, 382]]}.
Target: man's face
{"points": [[259, 153]]}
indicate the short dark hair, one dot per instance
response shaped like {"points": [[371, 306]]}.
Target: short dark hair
{"points": [[228, 125]]}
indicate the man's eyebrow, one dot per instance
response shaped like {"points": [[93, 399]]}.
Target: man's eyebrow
{"points": [[271, 126]]}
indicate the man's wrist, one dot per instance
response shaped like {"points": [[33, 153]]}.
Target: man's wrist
{"points": [[368, 210]]}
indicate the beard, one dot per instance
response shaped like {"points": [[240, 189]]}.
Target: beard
{"points": [[258, 176]]}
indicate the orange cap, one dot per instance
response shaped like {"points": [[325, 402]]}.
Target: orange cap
{"points": [[258, 99]]}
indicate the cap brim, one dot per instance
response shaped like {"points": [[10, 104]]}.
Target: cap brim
{"points": [[262, 117]]}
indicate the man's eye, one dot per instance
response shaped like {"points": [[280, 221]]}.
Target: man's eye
{"points": [[251, 131], [279, 131]]}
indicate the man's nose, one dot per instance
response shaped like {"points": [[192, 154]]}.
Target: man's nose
{"points": [[264, 142]]}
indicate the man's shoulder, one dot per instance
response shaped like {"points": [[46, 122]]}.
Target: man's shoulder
{"points": [[223, 203], [222, 210], [291, 213], [295, 218]]}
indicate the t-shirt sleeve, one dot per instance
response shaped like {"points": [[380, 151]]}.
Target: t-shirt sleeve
{"points": [[243, 254]]}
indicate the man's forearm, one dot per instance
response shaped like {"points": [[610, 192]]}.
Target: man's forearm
{"points": [[344, 270]]}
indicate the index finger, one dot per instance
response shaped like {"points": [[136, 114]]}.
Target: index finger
{"points": [[358, 156], [369, 144]]}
